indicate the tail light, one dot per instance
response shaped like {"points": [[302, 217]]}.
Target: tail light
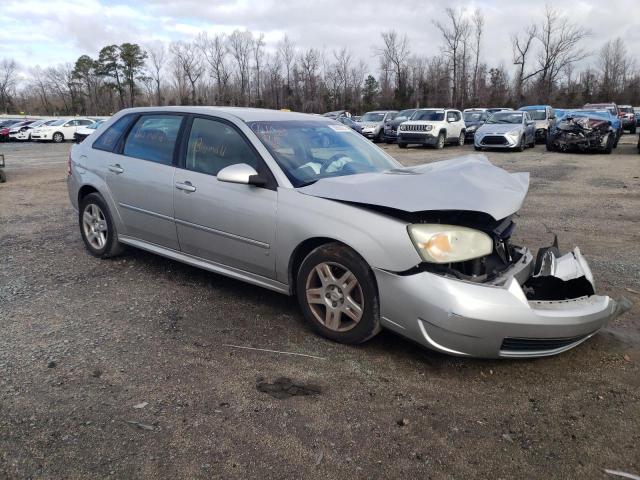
{"points": [[69, 165]]}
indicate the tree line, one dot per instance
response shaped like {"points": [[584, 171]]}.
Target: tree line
{"points": [[551, 64]]}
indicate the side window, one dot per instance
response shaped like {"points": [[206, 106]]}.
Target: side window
{"points": [[214, 145], [72, 123], [109, 139], [153, 138], [84, 122]]}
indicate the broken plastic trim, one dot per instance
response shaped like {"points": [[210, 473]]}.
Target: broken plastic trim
{"points": [[557, 277]]}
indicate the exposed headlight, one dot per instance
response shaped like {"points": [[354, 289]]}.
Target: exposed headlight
{"points": [[428, 128], [449, 243], [472, 128], [514, 133]]}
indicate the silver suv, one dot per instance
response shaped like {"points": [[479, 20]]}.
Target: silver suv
{"points": [[303, 205]]}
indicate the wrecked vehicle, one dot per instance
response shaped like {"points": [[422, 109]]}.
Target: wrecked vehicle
{"points": [[582, 131], [305, 206]]}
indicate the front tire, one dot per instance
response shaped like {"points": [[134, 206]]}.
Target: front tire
{"points": [[521, 146], [402, 145], [57, 137], [461, 138], [440, 142], [338, 295], [97, 228]]}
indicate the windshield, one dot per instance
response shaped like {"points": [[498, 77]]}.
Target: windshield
{"points": [[372, 117], [405, 113], [429, 115], [95, 125], [626, 109], [506, 117], [310, 150], [474, 116], [57, 123], [538, 114]]}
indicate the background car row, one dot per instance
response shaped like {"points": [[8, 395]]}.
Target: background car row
{"points": [[594, 127], [56, 130]]}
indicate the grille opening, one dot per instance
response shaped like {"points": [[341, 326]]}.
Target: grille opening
{"points": [[494, 140], [514, 344]]}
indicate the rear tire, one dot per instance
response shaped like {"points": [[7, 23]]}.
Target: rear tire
{"points": [[338, 294], [97, 228], [3, 177]]}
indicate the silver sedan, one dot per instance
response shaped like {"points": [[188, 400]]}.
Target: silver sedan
{"points": [[506, 129], [304, 206]]}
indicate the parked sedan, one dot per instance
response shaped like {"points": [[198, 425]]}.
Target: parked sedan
{"points": [[391, 125], [24, 133], [473, 119], [303, 205], [17, 127], [83, 132], [506, 129], [350, 123], [60, 130]]}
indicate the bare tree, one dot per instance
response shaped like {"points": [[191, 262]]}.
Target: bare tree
{"points": [[258, 45], [239, 45], [287, 52], [395, 53], [478, 29], [187, 57], [561, 47], [8, 79], [215, 53], [614, 65], [454, 33], [157, 60], [521, 48]]}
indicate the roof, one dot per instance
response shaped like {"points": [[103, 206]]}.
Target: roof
{"points": [[534, 107], [243, 113]]}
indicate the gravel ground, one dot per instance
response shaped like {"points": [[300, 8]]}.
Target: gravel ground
{"points": [[124, 367]]}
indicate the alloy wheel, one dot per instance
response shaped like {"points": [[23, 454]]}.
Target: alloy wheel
{"points": [[334, 296], [57, 137], [94, 225]]}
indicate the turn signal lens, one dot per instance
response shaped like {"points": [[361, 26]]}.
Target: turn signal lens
{"points": [[449, 243]]}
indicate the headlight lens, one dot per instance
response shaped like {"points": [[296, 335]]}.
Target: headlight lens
{"points": [[428, 128], [449, 243]]}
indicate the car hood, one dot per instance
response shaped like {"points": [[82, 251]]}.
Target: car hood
{"points": [[468, 182], [499, 128]]}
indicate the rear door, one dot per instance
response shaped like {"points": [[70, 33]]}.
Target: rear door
{"points": [[140, 178], [230, 224]]}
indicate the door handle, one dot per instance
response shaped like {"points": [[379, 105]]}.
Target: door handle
{"points": [[186, 186], [116, 168]]}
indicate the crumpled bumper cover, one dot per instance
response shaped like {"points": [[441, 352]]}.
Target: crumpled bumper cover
{"points": [[492, 320]]}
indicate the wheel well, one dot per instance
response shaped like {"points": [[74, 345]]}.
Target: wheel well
{"points": [[300, 253], [443, 130], [84, 191]]}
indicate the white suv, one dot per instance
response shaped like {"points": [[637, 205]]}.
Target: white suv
{"points": [[60, 130], [433, 126]]}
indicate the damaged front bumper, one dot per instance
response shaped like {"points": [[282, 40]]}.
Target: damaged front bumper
{"points": [[496, 319]]}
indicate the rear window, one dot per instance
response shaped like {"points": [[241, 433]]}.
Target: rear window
{"points": [[153, 138], [109, 139]]}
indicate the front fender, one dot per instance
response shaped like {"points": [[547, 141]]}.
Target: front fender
{"points": [[381, 240]]}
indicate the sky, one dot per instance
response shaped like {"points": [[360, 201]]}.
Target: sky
{"points": [[48, 32]]}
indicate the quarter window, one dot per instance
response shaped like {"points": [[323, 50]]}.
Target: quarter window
{"points": [[214, 145], [108, 140], [153, 138]]}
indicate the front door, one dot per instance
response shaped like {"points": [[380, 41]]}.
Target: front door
{"points": [[230, 224], [141, 179]]}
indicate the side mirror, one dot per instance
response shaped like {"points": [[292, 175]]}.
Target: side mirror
{"points": [[241, 173]]}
